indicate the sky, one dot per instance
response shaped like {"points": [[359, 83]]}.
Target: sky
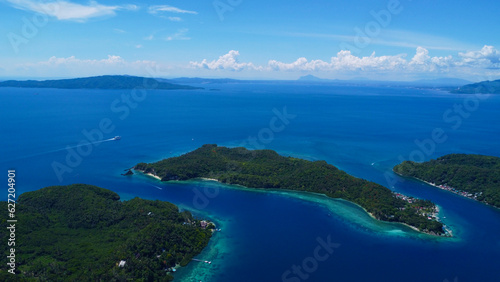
{"points": [[380, 40]]}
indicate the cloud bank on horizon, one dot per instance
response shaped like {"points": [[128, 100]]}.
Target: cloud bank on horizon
{"points": [[480, 64], [488, 58]]}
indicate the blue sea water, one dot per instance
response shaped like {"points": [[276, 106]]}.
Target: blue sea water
{"points": [[362, 130]]}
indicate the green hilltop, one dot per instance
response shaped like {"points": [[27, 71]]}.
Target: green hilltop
{"points": [[81, 233], [267, 169]]}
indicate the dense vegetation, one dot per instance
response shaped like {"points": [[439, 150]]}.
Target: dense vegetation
{"points": [[98, 82], [475, 174], [80, 233], [267, 169], [486, 87]]}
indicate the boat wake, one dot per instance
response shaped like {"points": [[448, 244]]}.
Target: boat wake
{"points": [[156, 187], [64, 149]]}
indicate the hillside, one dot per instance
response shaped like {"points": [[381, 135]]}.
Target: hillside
{"points": [[267, 169], [98, 82], [484, 87], [474, 176], [81, 232]]}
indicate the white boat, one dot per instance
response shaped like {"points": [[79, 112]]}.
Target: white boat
{"points": [[117, 138]]}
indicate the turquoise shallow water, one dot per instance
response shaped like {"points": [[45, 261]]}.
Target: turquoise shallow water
{"points": [[362, 130]]}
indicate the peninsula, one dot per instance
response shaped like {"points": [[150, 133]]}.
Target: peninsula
{"points": [[99, 82], [483, 87], [267, 169], [85, 233], [472, 176]]}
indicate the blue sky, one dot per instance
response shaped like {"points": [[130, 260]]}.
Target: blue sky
{"points": [[383, 40]]}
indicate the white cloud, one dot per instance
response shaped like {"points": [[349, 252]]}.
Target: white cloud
{"points": [[175, 19], [228, 61], [179, 35], [487, 57], [64, 10], [166, 8], [477, 65], [422, 63], [421, 57]]}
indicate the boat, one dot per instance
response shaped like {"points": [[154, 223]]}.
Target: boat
{"points": [[117, 138]]}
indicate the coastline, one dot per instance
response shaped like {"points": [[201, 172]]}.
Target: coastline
{"points": [[154, 176], [208, 179], [447, 230], [442, 188], [148, 174]]}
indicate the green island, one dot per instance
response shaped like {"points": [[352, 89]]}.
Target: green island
{"points": [[85, 233], [483, 87], [267, 169], [99, 82], [473, 176]]}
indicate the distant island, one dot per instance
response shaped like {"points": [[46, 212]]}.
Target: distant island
{"points": [[267, 169], [85, 233], [473, 176], [99, 82], [484, 87]]}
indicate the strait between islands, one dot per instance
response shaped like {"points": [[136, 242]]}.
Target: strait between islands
{"points": [[269, 170]]}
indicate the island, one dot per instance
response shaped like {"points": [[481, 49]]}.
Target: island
{"points": [[85, 233], [269, 170], [472, 176], [483, 87], [99, 82]]}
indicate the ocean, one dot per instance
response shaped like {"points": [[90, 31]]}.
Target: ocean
{"points": [[47, 137]]}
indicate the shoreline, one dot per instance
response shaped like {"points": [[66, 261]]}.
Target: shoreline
{"points": [[442, 188], [287, 190], [208, 179], [447, 230], [152, 175], [148, 174]]}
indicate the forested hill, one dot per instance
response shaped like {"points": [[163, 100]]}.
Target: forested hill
{"points": [[267, 169], [485, 87], [98, 82], [81, 232], [476, 174]]}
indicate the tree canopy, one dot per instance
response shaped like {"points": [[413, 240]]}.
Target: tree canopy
{"points": [[267, 169], [475, 174], [81, 232]]}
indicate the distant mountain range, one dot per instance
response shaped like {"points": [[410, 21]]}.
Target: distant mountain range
{"points": [[131, 82], [486, 87], [312, 78], [98, 82]]}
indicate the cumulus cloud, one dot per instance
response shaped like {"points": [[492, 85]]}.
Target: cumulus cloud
{"points": [[166, 8], [344, 61], [64, 10], [228, 61], [488, 57]]}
